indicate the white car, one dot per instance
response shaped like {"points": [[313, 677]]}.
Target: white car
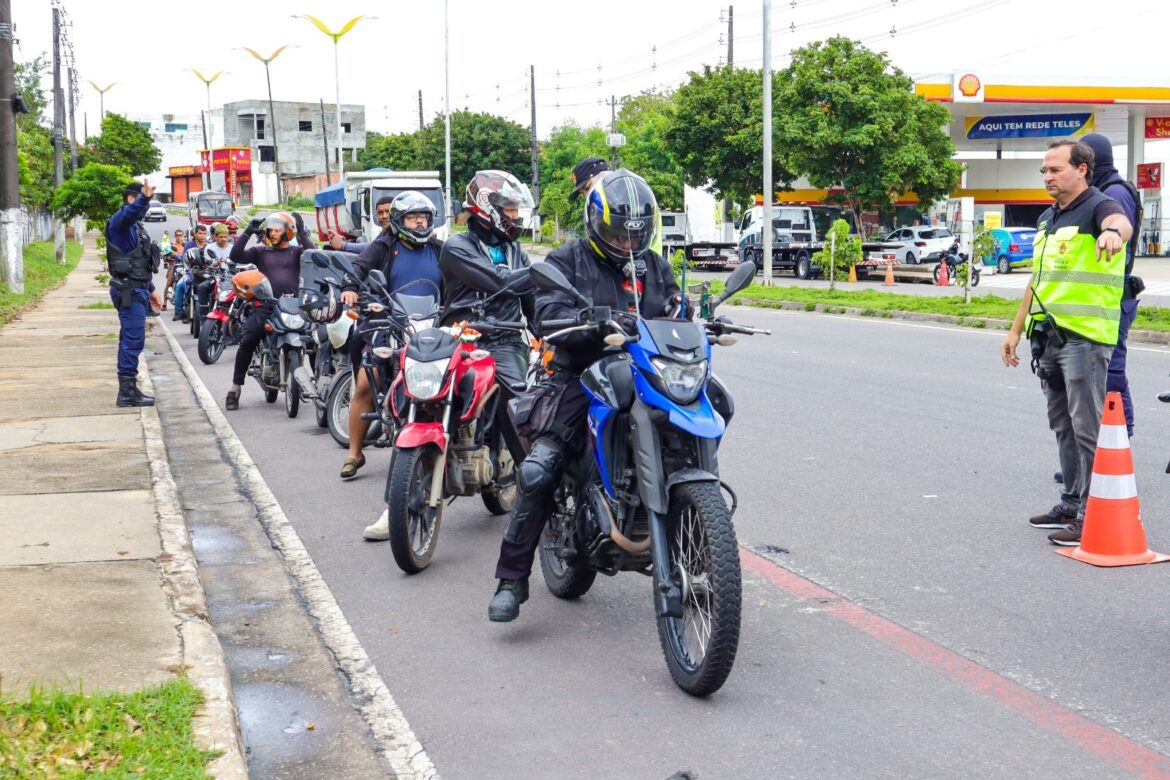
{"points": [[913, 244], [155, 212]]}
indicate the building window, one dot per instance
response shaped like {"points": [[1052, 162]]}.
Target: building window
{"points": [[259, 128], [267, 154], [145, 125], [175, 127], [305, 127], [346, 127]]}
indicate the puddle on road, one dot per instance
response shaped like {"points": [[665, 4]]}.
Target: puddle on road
{"points": [[274, 720], [249, 659]]}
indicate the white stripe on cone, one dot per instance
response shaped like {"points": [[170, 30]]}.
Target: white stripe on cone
{"points": [[1113, 486], [1113, 437]]}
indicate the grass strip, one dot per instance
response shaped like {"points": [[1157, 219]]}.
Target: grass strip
{"points": [[41, 274], [73, 735]]}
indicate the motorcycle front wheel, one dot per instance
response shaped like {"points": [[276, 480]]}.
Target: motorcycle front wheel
{"points": [[292, 388], [414, 525], [211, 341], [700, 646]]}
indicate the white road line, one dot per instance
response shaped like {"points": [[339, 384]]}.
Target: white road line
{"points": [[394, 737]]}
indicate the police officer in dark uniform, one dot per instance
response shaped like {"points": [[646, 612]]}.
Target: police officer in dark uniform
{"points": [[133, 260], [478, 263], [620, 223]]}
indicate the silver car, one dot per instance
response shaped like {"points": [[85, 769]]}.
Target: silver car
{"points": [[155, 212]]}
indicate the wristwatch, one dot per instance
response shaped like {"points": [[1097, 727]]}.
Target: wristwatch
{"points": [[1113, 230]]}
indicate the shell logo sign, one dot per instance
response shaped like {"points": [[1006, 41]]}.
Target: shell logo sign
{"points": [[967, 88]]}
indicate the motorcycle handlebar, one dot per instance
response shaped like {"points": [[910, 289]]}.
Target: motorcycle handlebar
{"points": [[559, 323], [496, 325]]}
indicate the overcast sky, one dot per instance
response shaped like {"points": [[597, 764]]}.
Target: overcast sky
{"points": [[149, 48]]}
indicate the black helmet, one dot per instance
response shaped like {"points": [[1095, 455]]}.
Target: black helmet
{"points": [[489, 193], [412, 202], [621, 217]]}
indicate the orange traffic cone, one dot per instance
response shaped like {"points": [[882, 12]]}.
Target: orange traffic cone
{"points": [[889, 282], [1113, 533], [944, 275]]}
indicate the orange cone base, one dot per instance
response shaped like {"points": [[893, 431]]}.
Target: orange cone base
{"points": [[1098, 559]]}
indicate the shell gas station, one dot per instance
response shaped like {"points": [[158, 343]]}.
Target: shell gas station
{"points": [[1001, 128]]}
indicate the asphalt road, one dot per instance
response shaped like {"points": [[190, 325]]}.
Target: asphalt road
{"points": [[904, 621]]}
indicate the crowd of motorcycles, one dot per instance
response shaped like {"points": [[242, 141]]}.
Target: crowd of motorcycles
{"points": [[645, 495]]}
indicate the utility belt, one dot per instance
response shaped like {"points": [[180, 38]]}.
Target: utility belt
{"points": [[126, 288], [1045, 333], [1133, 288]]}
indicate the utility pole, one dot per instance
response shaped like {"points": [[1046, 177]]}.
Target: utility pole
{"points": [[325, 138], [420, 110], [11, 250], [447, 107], [207, 173], [728, 228], [58, 134], [613, 129], [272, 127], [72, 119], [535, 155], [766, 227]]}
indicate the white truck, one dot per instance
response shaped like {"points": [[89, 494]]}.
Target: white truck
{"points": [[349, 207], [698, 232], [795, 237]]}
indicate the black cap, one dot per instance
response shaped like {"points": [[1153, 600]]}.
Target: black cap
{"points": [[133, 188], [584, 171]]}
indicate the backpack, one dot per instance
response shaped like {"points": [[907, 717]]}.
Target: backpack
{"points": [[1137, 203]]}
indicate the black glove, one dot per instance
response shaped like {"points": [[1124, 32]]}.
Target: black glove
{"points": [[627, 321], [300, 223], [673, 302], [254, 226]]}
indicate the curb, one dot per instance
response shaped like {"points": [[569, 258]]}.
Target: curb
{"points": [[215, 726], [395, 741], [986, 323]]}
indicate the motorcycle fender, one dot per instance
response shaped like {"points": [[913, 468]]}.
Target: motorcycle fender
{"points": [[417, 434], [648, 457], [689, 475], [216, 314]]}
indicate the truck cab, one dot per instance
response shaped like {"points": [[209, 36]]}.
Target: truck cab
{"points": [[349, 207]]}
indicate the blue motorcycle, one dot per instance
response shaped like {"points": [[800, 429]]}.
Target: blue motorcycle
{"points": [[645, 495]]}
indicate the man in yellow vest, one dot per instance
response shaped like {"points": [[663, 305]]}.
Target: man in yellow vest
{"points": [[1071, 312]]}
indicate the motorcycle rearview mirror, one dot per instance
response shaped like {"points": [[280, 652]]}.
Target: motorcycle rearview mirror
{"points": [[319, 259], [341, 262], [741, 278], [377, 277], [520, 281], [547, 278]]}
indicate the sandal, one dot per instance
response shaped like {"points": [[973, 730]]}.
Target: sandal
{"points": [[350, 468], [232, 402]]}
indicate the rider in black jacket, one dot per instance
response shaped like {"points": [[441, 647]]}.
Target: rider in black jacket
{"points": [[621, 215], [477, 264]]}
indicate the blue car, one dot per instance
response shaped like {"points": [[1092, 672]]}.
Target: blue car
{"points": [[1013, 248]]}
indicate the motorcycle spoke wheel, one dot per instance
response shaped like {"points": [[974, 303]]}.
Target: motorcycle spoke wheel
{"points": [[337, 410], [414, 525], [700, 646], [564, 579], [292, 390], [211, 341]]}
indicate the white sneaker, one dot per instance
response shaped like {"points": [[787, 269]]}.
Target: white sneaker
{"points": [[379, 531]]}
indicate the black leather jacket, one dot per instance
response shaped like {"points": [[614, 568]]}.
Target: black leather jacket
{"points": [[602, 283], [380, 254], [470, 276]]}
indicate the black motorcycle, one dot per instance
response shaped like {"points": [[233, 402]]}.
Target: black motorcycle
{"points": [[957, 266]]}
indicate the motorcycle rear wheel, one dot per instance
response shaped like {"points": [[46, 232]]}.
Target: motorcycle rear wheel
{"points": [[211, 341], [501, 496], [564, 579], [700, 647], [193, 312], [414, 526]]}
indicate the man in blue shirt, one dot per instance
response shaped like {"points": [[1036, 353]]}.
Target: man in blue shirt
{"points": [[132, 259]]}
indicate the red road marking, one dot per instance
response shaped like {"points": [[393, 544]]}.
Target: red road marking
{"points": [[1103, 742]]}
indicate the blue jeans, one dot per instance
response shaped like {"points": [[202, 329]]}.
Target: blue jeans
{"points": [[132, 337], [181, 295], [1117, 380]]}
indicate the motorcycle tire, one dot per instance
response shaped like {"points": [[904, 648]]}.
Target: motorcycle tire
{"points": [[211, 341], [292, 389], [193, 311], [564, 579], [501, 496], [700, 647], [975, 279], [337, 409], [320, 411], [414, 526]]}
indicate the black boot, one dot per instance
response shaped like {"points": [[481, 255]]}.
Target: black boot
{"points": [[505, 605], [129, 394]]}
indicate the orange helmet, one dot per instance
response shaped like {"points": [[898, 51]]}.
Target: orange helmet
{"points": [[281, 220], [252, 284]]}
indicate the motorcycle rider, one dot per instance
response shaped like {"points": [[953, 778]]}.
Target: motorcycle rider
{"points": [[621, 218], [358, 245], [216, 254], [281, 263], [198, 242], [406, 251]]}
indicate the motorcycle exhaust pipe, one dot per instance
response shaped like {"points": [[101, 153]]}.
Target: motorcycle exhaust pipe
{"points": [[620, 539]]}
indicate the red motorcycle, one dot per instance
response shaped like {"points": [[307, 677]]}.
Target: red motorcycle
{"points": [[455, 439], [224, 324]]}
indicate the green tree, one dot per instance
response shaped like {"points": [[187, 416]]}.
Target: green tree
{"points": [[34, 138], [94, 192], [644, 120], [716, 133], [840, 252], [398, 151], [479, 141], [566, 146], [845, 117], [126, 144]]}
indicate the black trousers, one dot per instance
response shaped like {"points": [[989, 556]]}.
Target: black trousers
{"points": [[253, 334], [533, 506]]}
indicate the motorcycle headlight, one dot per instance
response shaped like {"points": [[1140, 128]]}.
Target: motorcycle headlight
{"points": [[683, 381], [292, 321], [425, 380], [225, 292]]}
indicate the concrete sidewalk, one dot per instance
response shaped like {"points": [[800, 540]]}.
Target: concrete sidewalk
{"points": [[100, 586]]}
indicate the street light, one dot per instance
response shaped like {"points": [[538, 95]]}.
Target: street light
{"points": [[102, 92], [208, 130], [271, 114], [336, 36]]}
